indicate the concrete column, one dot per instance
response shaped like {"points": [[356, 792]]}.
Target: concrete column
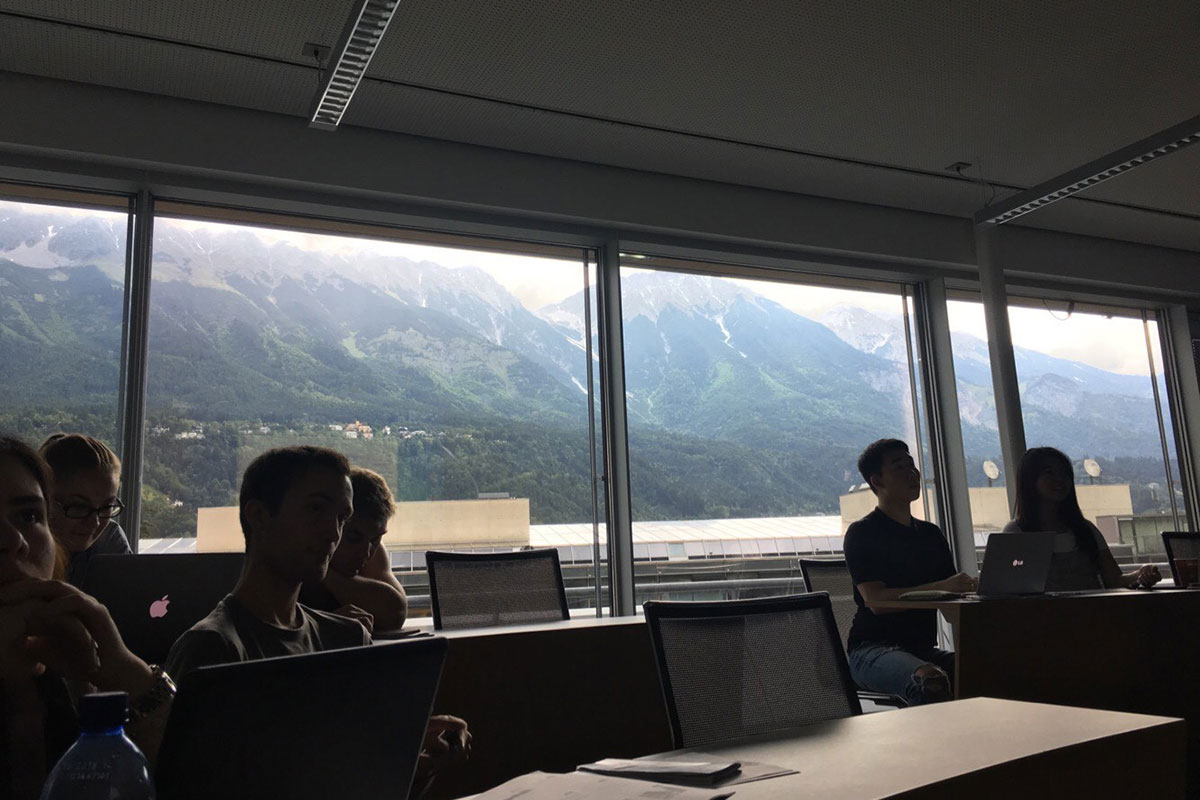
{"points": [[1000, 349]]}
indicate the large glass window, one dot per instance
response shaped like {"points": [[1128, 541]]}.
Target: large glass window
{"points": [[749, 401], [62, 281], [1092, 386], [461, 374], [1086, 389]]}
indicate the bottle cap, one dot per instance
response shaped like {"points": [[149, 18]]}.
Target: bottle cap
{"points": [[103, 711]]}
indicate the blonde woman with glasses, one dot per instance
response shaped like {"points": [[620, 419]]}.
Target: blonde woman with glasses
{"points": [[84, 507]]}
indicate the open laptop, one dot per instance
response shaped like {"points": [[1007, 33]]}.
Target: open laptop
{"points": [[341, 723], [1016, 564], [155, 598]]}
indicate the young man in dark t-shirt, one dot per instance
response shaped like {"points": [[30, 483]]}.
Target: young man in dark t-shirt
{"points": [[889, 552], [294, 503]]}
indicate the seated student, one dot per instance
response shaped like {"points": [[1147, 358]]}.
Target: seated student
{"points": [[50, 633], [85, 503], [294, 503], [360, 573], [1046, 501], [889, 552]]}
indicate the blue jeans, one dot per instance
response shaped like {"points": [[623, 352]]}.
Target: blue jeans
{"points": [[892, 669]]}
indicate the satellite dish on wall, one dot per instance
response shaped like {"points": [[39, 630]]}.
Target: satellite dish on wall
{"points": [[1091, 467], [991, 470]]}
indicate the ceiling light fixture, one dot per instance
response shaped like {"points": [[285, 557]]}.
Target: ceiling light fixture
{"points": [[1087, 176], [364, 29]]}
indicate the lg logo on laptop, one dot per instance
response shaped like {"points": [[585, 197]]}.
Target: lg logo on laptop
{"points": [[1016, 563], [159, 607]]}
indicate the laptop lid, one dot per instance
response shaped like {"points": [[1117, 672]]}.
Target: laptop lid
{"points": [[341, 723], [153, 599], [1016, 563]]}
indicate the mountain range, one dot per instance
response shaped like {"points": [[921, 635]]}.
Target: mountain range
{"points": [[727, 390]]}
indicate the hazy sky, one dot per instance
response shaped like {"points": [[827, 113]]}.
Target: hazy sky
{"points": [[1117, 344]]}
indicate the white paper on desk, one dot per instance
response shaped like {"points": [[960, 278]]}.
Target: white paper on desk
{"points": [[587, 786], [691, 771], [750, 771]]}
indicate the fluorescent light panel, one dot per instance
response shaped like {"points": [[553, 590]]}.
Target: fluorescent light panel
{"points": [[348, 61], [1098, 171]]}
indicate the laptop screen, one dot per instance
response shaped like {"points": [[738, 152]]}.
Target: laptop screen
{"points": [[153, 599], [342, 723], [1016, 564]]}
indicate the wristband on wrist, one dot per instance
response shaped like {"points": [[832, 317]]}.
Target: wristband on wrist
{"points": [[162, 690]]}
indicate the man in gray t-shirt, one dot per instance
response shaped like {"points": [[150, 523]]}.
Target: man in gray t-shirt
{"points": [[294, 503], [232, 633]]}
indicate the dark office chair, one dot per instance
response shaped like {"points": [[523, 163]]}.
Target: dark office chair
{"points": [[738, 668], [480, 590], [833, 577], [1180, 545]]}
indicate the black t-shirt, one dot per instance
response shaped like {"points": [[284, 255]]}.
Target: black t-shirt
{"points": [[878, 548]]}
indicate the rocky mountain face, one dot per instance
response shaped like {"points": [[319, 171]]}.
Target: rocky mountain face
{"points": [[1075, 407]]}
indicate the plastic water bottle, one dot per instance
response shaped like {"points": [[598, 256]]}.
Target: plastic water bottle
{"points": [[102, 764]]}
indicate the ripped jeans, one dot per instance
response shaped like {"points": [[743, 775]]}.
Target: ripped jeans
{"points": [[892, 669]]}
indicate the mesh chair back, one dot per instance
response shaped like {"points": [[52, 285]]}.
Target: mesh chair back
{"points": [[1180, 545], [832, 577], [740, 668], [479, 590]]}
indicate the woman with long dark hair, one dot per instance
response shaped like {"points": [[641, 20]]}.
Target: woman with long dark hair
{"points": [[1046, 501]]}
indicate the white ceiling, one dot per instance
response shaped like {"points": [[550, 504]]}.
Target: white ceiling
{"points": [[850, 99]]}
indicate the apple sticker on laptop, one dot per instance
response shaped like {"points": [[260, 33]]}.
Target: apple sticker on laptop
{"points": [[159, 607]]}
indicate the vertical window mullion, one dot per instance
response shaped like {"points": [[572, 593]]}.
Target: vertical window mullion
{"points": [[905, 294], [1183, 400], [945, 427], [594, 477], [1162, 431], [135, 335], [615, 432]]}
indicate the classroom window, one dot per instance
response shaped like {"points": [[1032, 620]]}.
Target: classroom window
{"points": [[458, 371], [1088, 381], [749, 401]]}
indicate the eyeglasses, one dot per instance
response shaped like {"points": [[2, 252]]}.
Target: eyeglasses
{"points": [[83, 510]]}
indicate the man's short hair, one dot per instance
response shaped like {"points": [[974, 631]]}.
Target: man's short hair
{"points": [[69, 454], [269, 476], [870, 463], [372, 497]]}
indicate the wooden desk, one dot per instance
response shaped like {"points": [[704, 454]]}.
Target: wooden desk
{"points": [[977, 749], [550, 697], [1122, 651]]}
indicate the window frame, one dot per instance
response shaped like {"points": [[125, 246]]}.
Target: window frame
{"points": [[124, 187]]}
